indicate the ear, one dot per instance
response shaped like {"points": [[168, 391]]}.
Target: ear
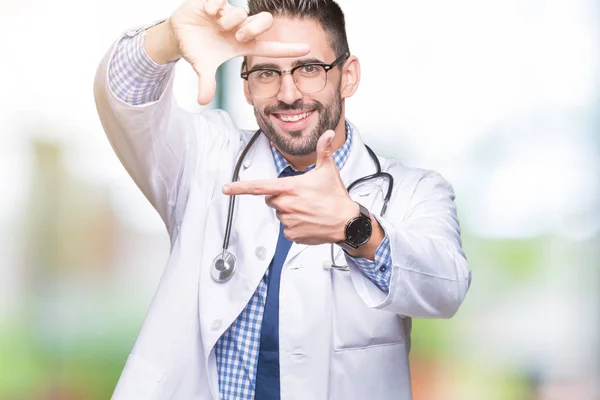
{"points": [[350, 77]]}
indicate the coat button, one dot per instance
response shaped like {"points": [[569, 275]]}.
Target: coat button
{"points": [[216, 325], [260, 252]]}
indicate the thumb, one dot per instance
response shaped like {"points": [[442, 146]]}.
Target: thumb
{"points": [[324, 149], [207, 85]]}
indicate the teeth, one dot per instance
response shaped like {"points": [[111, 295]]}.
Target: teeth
{"points": [[294, 118]]}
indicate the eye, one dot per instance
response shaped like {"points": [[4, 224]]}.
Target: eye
{"points": [[310, 69], [265, 74]]}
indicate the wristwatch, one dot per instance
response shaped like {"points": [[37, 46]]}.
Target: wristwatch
{"points": [[358, 230]]}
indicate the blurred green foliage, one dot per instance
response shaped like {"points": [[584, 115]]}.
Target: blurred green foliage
{"points": [[33, 367]]}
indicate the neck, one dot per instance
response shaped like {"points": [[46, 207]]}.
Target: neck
{"points": [[301, 163]]}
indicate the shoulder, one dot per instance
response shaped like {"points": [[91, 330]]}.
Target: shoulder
{"points": [[413, 178], [217, 125], [216, 118]]}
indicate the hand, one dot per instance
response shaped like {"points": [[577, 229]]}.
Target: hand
{"points": [[207, 33], [314, 207]]}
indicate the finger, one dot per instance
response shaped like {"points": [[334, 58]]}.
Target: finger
{"points": [[212, 7], [275, 49], [271, 201], [283, 202], [324, 149], [207, 84], [289, 234], [286, 219], [258, 187], [254, 26], [232, 18]]}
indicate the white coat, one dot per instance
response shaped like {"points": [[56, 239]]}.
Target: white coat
{"points": [[340, 337]]}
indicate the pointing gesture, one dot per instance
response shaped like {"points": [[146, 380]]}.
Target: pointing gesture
{"points": [[207, 33], [313, 207]]}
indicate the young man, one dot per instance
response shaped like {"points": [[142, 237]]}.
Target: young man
{"points": [[279, 321]]}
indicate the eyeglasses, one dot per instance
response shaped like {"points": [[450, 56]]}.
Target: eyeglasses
{"points": [[310, 77]]}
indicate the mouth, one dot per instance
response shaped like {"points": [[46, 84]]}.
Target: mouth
{"points": [[293, 121]]}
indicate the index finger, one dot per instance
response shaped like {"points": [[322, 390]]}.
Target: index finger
{"points": [[254, 26], [271, 187], [277, 49]]}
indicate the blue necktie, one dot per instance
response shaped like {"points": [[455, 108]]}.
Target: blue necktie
{"points": [[267, 371]]}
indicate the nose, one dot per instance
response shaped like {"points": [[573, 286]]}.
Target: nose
{"points": [[288, 92]]}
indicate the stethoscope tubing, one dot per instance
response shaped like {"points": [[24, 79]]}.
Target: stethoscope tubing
{"points": [[226, 256], [235, 178]]}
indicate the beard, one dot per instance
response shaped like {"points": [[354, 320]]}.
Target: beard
{"points": [[294, 142]]}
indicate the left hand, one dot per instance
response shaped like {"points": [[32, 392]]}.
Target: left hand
{"points": [[313, 207]]}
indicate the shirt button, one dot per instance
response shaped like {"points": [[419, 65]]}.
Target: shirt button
{"points": [[216, 325], [260, 252], [383, 268]]}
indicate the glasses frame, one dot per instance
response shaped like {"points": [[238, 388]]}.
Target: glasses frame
{"points": [[327, 67]]}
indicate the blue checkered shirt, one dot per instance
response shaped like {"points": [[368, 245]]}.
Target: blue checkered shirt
{"points": [[136, 79]]}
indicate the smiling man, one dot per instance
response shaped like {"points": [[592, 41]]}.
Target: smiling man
{"points": [[298, 280], [295, 116]]}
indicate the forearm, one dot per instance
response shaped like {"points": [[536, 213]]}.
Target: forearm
{"points": [[428, 272], [133, 76], [160, 45]]}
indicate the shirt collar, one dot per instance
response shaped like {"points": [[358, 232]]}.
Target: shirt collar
{"points": [[340, 156]]}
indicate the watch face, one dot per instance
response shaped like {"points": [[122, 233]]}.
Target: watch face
{"points": [[359, 231]]}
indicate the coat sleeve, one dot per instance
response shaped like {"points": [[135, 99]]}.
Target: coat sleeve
{"points": [[159, 143], [430, 274]]}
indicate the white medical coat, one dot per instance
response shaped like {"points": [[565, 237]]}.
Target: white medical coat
{"points": [[340, 336]]}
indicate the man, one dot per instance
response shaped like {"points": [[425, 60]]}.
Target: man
{"points": [[291, 321]]}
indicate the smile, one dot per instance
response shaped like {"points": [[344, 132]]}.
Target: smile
{"points": [[293, 118]]}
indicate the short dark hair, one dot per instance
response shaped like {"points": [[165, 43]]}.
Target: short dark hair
{"points": [[326, 12]]}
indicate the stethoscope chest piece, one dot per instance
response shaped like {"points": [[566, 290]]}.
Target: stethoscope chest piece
{"points": [[223, 267]]}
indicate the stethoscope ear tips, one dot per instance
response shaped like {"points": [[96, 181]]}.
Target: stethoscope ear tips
{"points": [[223, 267]]}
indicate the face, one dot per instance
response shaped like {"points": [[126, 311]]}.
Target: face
{"points": [[292, 120]]}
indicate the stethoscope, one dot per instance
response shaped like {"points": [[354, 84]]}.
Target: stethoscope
{"points": [[224, 265]]}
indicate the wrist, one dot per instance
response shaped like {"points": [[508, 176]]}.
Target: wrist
{"points": [[160, 44], [368, 249], [348, 212], [358, 231]]}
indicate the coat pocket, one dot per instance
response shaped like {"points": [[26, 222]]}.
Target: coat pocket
{"points": [[139, 380]]}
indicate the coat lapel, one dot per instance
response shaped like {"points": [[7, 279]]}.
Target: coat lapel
{"points": [[253, 240], [259, 165], [255, 228]]}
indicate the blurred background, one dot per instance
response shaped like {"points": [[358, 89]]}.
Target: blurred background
{"points": [[502, 97]]}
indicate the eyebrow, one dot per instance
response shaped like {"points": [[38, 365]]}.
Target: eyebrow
{"points": [[303, 61]]}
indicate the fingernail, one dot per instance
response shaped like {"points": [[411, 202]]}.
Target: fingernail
{"points": [[226, 189], [241, 36]]}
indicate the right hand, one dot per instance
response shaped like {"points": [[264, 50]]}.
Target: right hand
{"points": [[209, 32]]}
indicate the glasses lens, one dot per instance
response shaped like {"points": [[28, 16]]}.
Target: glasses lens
{"points": [[310, 78], [263, 83]]}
